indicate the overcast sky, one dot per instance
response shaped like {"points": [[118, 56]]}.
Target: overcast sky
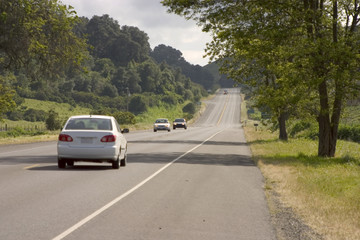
{"points": [[151, 17]]}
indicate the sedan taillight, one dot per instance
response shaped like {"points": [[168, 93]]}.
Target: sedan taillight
{"points": [[65, 138], [108, 138]]}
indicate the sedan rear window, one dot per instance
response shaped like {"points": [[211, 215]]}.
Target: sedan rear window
{"points": [[89, 124]]}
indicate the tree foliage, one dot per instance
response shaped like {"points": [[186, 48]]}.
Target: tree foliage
{"points": [[38, 33], [97, 63], [296, 55], [6, 96], [53, 122]]}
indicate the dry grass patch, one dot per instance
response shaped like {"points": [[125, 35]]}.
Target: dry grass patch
{"points": [[29, 139], [325, 192]]}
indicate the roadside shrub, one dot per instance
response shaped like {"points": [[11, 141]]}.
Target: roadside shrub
{"points": [[350, 133], [33, 115], [125, 117], [53, 122], [15, 115], [137, 104], [189, 108], [169, 99], [188, 95], [299, 127]]}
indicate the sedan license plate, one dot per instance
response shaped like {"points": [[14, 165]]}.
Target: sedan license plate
{"points": [[86, 140]]}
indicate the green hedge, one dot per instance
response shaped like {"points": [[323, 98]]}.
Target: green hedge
{"points": [[350, 133]]}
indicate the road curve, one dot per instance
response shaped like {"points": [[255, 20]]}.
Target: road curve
{"points": [[198, 183]]}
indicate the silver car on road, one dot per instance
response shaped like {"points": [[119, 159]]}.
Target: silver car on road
{"points": [[162, 124]]}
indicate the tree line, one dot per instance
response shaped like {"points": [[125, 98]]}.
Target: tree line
{"points": [[300, 58], [47, 52]]}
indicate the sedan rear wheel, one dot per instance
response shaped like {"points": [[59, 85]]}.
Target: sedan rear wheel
{"points": [[116, 164], [61, 163], [123, 161]]}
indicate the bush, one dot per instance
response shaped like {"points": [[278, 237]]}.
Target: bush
{"points": [[299, 127], [137, 104], [15, 115], [169, 99], [350, 133], [33, 115], [53, 122], [124, 117], [189, 108]]}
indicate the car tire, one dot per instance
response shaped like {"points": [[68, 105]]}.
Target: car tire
{"points": [[174, 128], [169, 130], [154, 130], [70, 163], [61, 163], [116, 164], [123, 161]]}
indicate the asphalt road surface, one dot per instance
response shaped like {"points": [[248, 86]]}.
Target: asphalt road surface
{"points": [[198, 183]]}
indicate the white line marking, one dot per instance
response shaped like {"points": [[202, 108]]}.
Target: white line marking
{"points": [[227, 100], [99, 211]]}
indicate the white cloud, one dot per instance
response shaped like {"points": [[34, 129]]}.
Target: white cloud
{"points": [[151, 17]]}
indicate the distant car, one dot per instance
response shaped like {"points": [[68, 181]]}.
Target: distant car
{"points": [[179, 123], [92, 138], [225, 91], [162, 124]]}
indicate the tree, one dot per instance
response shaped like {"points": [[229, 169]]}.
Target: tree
{"points": [[6, 96], [320, 42], [138, 104], [333, 38], [39, 33], [52, 122], [167, 54], [120, 44], [174, 58]]}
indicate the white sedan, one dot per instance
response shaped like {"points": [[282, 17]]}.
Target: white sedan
{"points": [[162, 124], [92, 138]]}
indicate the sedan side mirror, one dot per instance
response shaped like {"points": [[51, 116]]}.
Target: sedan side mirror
{"points": [[125, 130]]}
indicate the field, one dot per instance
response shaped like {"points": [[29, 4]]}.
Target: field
{"points": [[143, 121], [63, 109], [324, 192]]}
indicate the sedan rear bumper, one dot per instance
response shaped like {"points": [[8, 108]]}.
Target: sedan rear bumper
{"points": [[107, 153]]}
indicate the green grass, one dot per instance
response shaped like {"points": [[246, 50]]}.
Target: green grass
{"points": [[325, 191], [143, 121], [22, 124], [64, 110]]}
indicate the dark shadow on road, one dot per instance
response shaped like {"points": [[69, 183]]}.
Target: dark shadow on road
{"points": [[217, 143], [13, 160], [194, 158], [154, 158], [81, 168]]}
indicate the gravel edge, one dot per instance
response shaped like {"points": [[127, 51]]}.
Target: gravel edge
{"points": [[287, 224]]}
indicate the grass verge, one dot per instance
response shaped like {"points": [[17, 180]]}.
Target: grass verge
{"points": [[324, 192]]}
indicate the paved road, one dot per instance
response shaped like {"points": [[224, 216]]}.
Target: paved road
{"points": [[198, 183]]}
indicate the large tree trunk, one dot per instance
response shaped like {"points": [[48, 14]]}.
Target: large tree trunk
{"points": [[324, 122], [282, 126], [328, 129]]}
